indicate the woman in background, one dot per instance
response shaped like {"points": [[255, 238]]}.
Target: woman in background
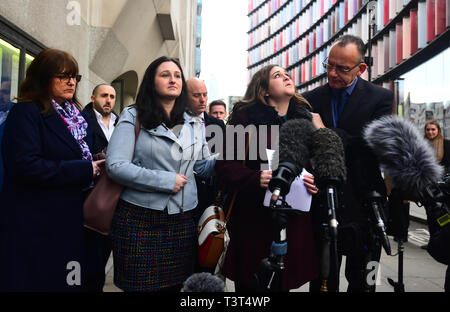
{"points": [[48, 169], [441, 146]]}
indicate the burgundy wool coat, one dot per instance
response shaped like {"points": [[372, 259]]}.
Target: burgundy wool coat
{"points": [[251, 226]]}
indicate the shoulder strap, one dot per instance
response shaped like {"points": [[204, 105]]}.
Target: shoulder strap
{"points": [[235, 193], [137, 130]]}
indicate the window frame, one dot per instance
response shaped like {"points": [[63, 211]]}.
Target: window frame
{"points": [[20, 39]]}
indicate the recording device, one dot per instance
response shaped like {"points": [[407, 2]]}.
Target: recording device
{"points": [[203, 282], [368, 185], [411, 164], [374, 201], [329, 174], [293, 153], [329, 169]]}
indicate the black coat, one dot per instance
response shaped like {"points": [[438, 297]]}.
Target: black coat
{"points": [[100, 141], [366, 103], [41, 219]]}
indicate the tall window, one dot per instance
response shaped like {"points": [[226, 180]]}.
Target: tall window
{"points": [[17, 51]]}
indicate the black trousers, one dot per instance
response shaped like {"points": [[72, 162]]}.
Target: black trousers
{"points": [[97, 249]]}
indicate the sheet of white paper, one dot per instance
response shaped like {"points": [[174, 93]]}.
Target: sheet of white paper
{"points": [[298, 196]]}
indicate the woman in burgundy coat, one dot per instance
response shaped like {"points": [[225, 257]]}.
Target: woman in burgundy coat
{"points": [[270, 100]]}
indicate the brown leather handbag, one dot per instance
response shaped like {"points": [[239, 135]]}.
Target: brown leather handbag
{"points": [[100, 204], [212, 234]]}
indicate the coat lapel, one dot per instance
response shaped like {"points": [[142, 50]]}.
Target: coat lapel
{"points": [[57, 125], [327, 112]]}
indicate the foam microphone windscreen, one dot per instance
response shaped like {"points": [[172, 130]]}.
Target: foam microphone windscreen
{"points": [[294, 142], [203, 282], [328, 157], [404, 154]]}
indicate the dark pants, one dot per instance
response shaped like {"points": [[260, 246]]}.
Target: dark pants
{"points": [[98, 249]]}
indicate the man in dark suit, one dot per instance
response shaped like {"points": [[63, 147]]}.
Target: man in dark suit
{"points": [[101, 112], [346, 104], [103, 120], [198, 99]]}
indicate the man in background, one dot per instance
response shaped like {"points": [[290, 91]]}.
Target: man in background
{"points": [[198, 99], [101, 112], [218, 109], [103, 119]]}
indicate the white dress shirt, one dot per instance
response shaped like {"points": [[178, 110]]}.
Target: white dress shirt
{"points": [[106, 130]]}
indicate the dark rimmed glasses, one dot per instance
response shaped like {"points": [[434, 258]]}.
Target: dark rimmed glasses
{"points": [[342, 69], [64, 78]]}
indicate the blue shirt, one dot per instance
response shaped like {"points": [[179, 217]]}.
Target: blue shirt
{"points": [[335, 100]]}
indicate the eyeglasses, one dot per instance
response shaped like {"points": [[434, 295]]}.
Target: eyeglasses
{"points": [[342, 69], [66, 77]]}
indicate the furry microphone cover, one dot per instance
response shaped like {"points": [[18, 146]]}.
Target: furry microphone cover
{"points": [[328, 157], [294, 142], [404, 154]]}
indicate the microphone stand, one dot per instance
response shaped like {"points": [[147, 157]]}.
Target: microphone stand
{"points": [[399, 287], [377, 232], [270, 275], [329, 252]]}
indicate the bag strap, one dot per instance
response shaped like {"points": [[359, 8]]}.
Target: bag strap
{"points": [[236, 192], [137, 129]]}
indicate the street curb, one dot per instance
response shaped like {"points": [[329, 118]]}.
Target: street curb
{"points": [[418, 219]]}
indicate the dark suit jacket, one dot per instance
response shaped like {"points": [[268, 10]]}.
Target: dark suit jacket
{"points": [[41, 219], [366, 103], [100, 141]]}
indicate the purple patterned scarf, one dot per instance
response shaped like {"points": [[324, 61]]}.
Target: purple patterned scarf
{"points": [[76, 124]]}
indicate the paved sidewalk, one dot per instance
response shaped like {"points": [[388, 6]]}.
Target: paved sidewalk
{"points": [[421, 272]]}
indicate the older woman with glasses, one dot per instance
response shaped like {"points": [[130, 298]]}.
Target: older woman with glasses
{"points": [[48, 168]]}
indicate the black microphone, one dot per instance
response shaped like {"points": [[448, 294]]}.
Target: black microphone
{"points": [[330, 173], [328, 168], [291, 156], [368, 186], [203, 282]]}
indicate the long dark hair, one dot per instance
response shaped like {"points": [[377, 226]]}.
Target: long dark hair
{"points": [[37, 84], [257, 89], [150, 111]]}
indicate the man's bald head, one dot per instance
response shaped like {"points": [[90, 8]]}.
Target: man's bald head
{"points": [[198, 95]]}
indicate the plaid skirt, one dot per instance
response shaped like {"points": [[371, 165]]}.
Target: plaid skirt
{"points": [[152, 250]]}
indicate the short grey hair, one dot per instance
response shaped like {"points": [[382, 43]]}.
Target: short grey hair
{"points": [[357, 41]]}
